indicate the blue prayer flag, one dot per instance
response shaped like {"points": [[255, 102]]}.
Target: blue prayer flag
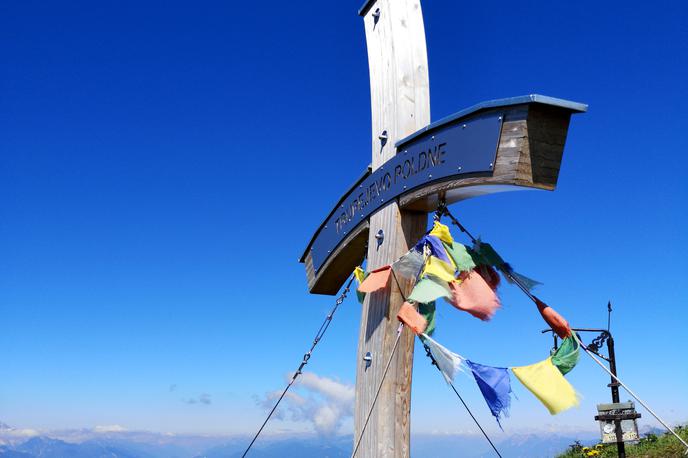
{"points": [[495, 385], [437, 249]]}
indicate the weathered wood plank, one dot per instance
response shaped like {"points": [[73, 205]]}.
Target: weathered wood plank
{"points": [[528, 156], [400, 106], [345, 257]]}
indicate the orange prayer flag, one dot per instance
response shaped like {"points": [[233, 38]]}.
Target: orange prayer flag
{"points": [[472, 294], [377, 279], [555, 321], [411, 318]]}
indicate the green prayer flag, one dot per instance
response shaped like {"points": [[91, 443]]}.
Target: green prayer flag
{"points": [[462, 258], [428, 312], [483, 253], [566, 356], [360, 295], [428, 289]]}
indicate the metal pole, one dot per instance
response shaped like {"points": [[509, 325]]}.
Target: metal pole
{"points": [[614, 385]]}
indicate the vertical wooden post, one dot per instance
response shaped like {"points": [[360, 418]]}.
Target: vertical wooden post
{"points": [[400, 103]]}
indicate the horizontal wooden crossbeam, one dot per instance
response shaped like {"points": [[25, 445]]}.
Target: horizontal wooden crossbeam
{"points": [[496, 146]]}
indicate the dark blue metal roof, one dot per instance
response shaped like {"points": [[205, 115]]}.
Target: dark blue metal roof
{"points": [[520, 100], [366, 6]]}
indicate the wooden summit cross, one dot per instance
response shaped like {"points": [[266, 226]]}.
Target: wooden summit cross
{"points": [[495, 146]]}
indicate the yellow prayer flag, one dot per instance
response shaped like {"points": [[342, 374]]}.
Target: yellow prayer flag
{"points": [[545, 381], [440, 269], [359, 274], [441, 231]]}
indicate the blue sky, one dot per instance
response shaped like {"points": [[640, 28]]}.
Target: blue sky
{"points": [[162, 167]]}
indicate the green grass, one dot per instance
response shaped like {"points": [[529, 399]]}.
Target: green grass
{"points": [[651, 446]]}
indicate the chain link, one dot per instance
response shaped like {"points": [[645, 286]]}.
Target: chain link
{"points": [[597, 343]]}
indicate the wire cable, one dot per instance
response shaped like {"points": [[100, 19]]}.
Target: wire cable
{"points": [[377, 393], [384, 373], [306, 357], [506, 272], [631, 393], [434, 363], [442, 209]]}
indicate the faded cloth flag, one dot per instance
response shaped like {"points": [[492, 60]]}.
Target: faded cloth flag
{"points": [[411, 318], [360, 275], [448, 362], [566, 356], [527, 283], [495, 385], [461, 257], [376, 280], [490, 275], [440, 269], [485, 254], [472, 294], [409, 265], [429, 289], [441, 231], [545, 381], [428, 312], [435, 247], [555, 321]]}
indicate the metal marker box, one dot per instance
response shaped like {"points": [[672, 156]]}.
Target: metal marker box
{"points": [[624, 412]]}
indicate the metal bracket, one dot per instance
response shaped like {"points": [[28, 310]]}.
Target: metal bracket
{"points": [[376, 16], [380, 237], [383, 140], [368, 358]]}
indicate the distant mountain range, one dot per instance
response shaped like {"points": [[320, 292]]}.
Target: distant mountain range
{"points": [[118, 443]]}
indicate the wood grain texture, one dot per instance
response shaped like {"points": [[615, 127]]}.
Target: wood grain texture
{"points": [[528, 156], [400, 104], [335, 271]]}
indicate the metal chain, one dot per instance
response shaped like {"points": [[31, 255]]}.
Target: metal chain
{"points": [[597, 344], [306, 357]]}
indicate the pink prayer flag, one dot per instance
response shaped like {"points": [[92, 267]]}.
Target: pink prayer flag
{"points": [[472, 294], [411, 318], [555, 321], [377, 279], [489, 274]]}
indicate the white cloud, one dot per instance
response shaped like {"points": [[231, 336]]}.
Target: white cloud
{"points": [[322, 401], [109, 429], [24, 432]]}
